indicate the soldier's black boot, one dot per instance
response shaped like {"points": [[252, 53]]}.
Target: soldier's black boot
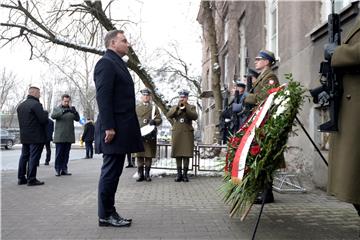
{"points": [[141, 174], [179, 176], [147, 174], [185, 177]]}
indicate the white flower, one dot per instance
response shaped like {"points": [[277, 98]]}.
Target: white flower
{"points": [[278, 100], [287, 92]]}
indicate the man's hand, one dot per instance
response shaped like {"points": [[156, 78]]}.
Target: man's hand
{"points": [[109, 135]]}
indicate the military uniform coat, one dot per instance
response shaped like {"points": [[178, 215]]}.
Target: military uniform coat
{"points": [[64, 125], [115, 97], [144, 111], [344, 155], [182, 139], [267, 79]]}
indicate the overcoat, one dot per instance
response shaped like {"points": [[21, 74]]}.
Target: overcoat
{"points": [[64, 125], [182, 138], [115, 97], [344, 155], [144, 112], [266, 80], [89, 132], [32, 121]]}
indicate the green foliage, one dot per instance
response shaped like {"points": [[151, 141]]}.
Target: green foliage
{"points": [[272, 138]]}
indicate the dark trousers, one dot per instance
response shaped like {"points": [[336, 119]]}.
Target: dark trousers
{"points": [[109, 179], [29, 160], [141, 161], [89, 149], [181, 160], [62, 156], [48, 151]]}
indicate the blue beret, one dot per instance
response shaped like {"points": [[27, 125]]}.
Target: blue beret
{"points": [[183, 93], [268, 55], [145, 91]]}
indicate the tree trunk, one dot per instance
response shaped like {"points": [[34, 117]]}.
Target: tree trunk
{"points": [[210, 37]]}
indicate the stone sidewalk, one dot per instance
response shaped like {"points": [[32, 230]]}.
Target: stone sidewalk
{"points": [[66, 208]]}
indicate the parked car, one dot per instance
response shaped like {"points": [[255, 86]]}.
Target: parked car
{"points": [[7, 139]]}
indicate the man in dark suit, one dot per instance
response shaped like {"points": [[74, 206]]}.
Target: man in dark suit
{"points": [[32, 122], [88, 138], [117, 130]]}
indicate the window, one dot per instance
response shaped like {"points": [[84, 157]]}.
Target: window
{"points": [[242, 50], [338, 6], [272, 26], [226, 66], [226, 29]]}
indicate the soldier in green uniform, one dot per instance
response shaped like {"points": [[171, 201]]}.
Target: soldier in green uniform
{"points": [[344, 155], [266, 80], [148, 114], [182, 141]]}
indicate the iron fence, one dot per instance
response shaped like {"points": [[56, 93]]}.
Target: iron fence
{"points": [[206, 157]]}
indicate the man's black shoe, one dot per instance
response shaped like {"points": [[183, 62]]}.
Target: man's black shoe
{"points": [[116, 215], [129, 166], [46, 163], [22, 181], [113, 221], [65, 172], [57, 173], [35, 183]]}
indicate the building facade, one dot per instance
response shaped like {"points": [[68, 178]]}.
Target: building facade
{"points": [[296, 32]]}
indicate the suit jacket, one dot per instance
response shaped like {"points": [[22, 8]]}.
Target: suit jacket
{"points": [[50, 130], [115, 97], [32, 121], [344, 154]]}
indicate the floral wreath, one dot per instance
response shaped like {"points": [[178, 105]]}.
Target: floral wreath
{"points": [[256, 150]]}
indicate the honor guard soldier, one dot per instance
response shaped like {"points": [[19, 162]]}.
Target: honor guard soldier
{"points": [[344, 156], [148, 115], [265, 81], [182, 141]]}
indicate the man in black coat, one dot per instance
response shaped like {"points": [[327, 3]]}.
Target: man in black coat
{"points": [[117, 129], [49, 136], [32, 122], [88, 138]]}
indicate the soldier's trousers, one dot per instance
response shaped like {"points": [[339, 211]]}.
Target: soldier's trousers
{"points": [[181, 160], [141, 161]]}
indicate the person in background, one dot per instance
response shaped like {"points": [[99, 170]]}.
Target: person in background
{"points": [[182, 141], [144, 111], [32, 122], [49, 136], [65, 115], [88, 138], [130, 160], [117, 130]]}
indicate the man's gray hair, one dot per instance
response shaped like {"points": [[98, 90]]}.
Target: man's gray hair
{"points": [[110, 36]]}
